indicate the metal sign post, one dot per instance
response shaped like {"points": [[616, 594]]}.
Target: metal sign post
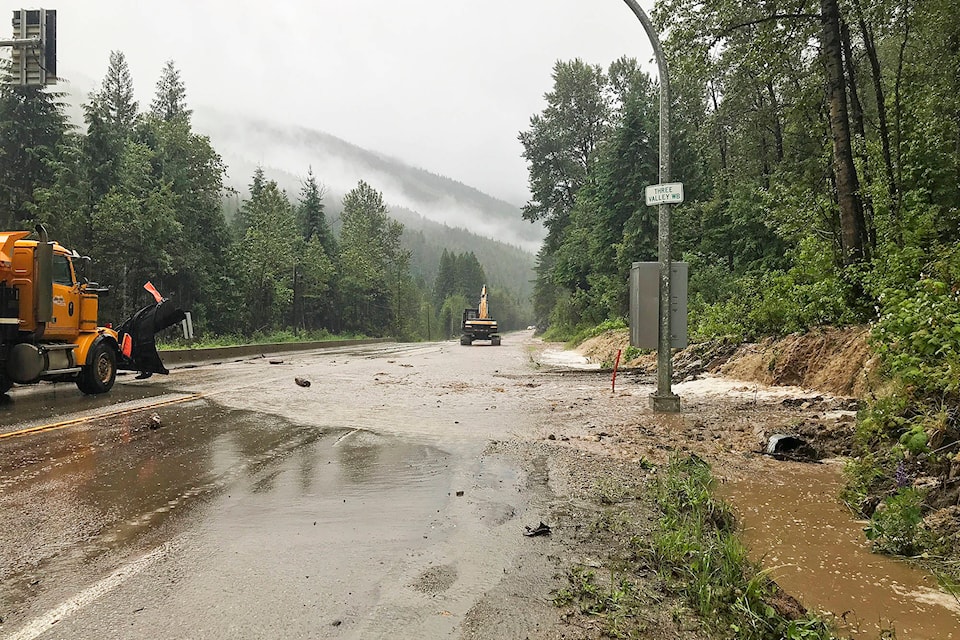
{"points": [[664, 399]]}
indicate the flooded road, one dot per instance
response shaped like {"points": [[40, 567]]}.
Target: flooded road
{"points": [[387, 499], [229, 502], [795, 526]]}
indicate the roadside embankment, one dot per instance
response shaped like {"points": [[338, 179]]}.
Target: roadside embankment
{"points": [[825, 390], [827, 360]]}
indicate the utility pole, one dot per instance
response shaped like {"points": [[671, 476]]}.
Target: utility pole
{"points": [[664, 400]]}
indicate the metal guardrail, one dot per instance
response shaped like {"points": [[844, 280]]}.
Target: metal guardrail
{"points": [[173, 358]]}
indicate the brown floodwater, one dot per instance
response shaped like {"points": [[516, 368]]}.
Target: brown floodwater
{"points": [[796, 528]]}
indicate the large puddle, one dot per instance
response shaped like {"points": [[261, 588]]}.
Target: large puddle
{"points": [[73, 498], [795, 526]]}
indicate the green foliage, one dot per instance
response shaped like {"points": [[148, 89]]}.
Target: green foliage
{"points": [[894, 527], [761, 225], [593, 331], [267, 250], [32, 130], [312, 217], [918, 337], [771, 303], [915, 440], [631, 353], [451, 315], [143, 194], [170, 101], [458, 274], [863, 476], [562, 142], [619, 602], [372, 262], [275, 337], [591, 196]]}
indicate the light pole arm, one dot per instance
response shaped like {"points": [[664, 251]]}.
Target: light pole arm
{"points": [[664, 89]]}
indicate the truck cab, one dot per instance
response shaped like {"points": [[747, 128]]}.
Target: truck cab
{"points": [[48, 318]]}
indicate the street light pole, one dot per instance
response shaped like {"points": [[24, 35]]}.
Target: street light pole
{"points": [[664, 399]]}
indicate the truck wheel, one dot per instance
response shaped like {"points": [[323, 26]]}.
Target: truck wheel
{"points": [[465, 341], [99, 375]]}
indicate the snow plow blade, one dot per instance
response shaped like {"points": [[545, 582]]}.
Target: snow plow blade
{"points": [[142, 329]]}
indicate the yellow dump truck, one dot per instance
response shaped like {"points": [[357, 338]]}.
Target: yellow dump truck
{"points": [[48, 320]]}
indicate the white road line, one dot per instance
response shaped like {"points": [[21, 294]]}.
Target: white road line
{"points": [[345, 436], [45, 622]]}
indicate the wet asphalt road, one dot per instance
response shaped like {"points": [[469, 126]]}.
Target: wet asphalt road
{"points": [[262, 509]]}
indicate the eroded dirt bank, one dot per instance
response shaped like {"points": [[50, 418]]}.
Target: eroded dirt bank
{"points": [[735, 397]]}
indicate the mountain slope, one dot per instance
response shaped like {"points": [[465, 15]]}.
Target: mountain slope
{"points": [[437, 212], [245, 143]]}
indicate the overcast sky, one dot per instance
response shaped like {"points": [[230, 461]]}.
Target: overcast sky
{"points": [[445, 85]]}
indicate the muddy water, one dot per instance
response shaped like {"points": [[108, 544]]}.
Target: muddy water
{"points": [[794, 525]]}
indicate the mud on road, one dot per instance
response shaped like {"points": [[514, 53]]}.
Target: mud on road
{"points": [[389, 498]]}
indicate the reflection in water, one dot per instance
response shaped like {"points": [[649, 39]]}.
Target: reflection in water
{"points": [[795, 526], [74, 496], [47, 402]]}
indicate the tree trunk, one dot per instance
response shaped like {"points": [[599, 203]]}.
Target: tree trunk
{"points": [[860, 141], [852, 225], [893, 188], [720, 133], [777, 127]]}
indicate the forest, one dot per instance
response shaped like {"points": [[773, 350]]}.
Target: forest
{"points": [[144, 195], [819, 148]]}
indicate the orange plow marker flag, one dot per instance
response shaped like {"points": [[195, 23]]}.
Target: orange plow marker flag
{"points": [[153, 291]]}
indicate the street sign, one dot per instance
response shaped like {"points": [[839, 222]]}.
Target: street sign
{"points": [[34, 58], [669, 193]]}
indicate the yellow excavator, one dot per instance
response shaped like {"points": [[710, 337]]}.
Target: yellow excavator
{"points": [[477, 323]]}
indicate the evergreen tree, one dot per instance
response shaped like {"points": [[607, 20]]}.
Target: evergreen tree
{"points": [[195, 171], [116, 97], [314, 293], [257, 184], [32, 128], [470, 277], [370, 257], [170, 100], [310, 213], [267, 252], [445, 283], [135, 232], [110, 114]]}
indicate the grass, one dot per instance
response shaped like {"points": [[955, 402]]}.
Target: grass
{"points": [[575, 335], [619, 602], [233, 340], [693, 561]]}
